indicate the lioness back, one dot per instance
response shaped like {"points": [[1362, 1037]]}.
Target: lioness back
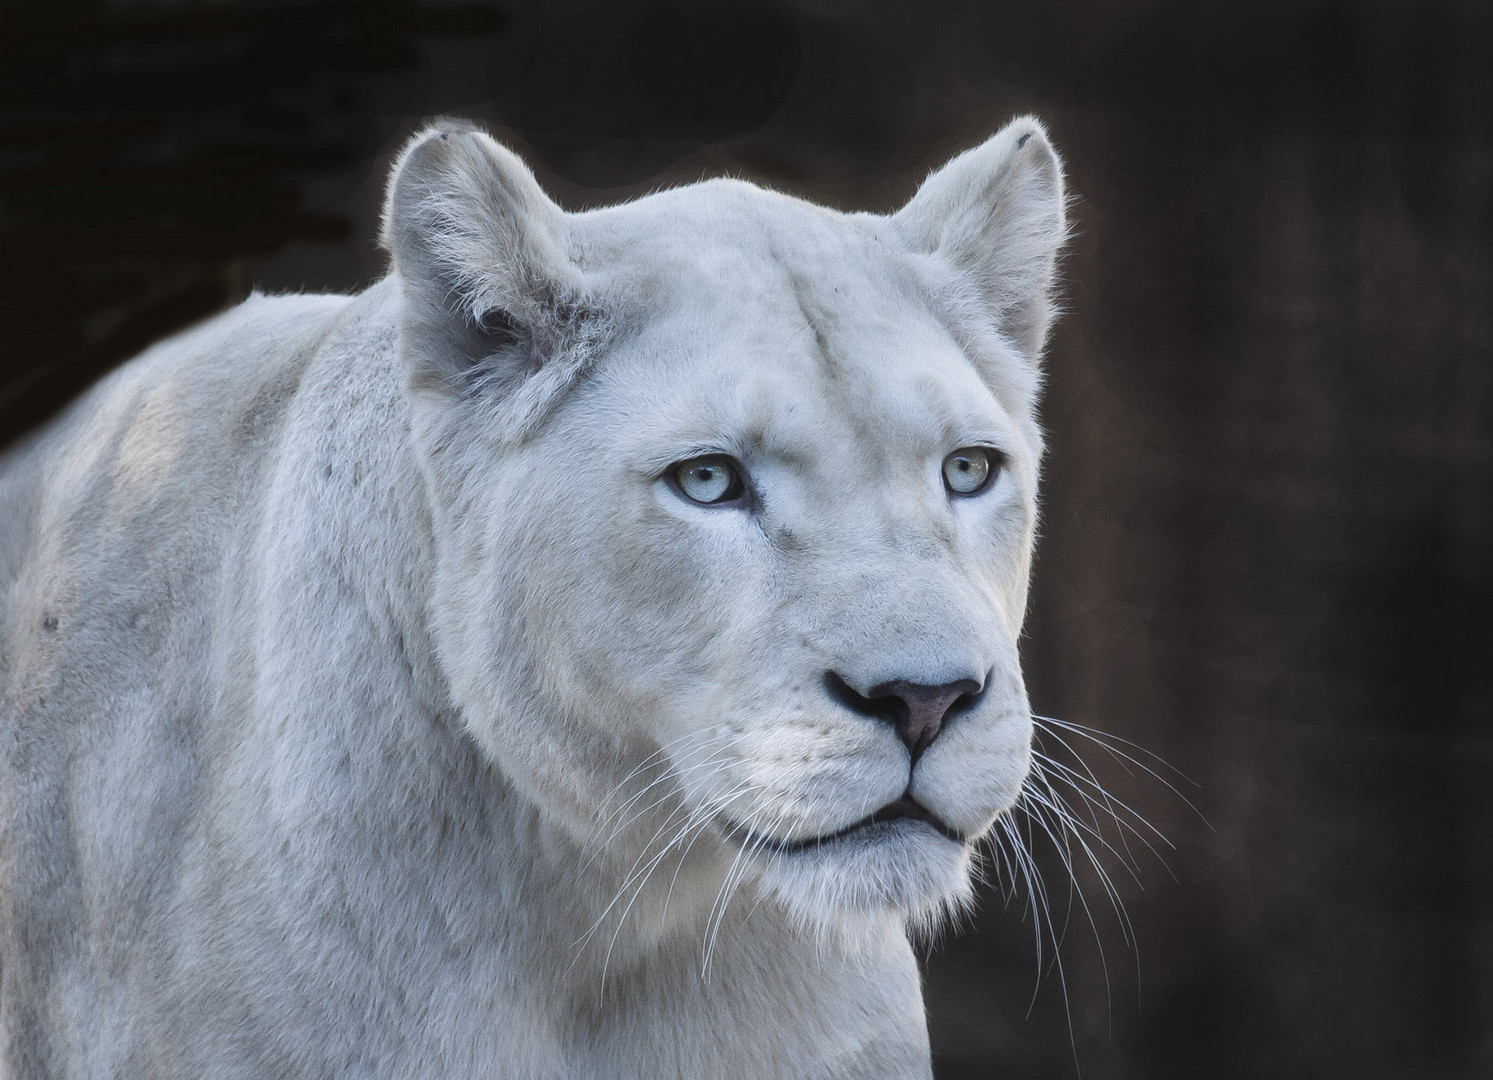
{"points": [[206, 400], [587, 652]]}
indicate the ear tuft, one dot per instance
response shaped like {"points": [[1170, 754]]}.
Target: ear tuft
{"points": [[996, 214], [405, 169]]}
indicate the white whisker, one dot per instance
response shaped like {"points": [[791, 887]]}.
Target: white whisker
{"points": [[1068, 805]]}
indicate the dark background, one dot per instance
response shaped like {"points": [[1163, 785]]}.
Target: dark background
{"points": [[1267, 535]]}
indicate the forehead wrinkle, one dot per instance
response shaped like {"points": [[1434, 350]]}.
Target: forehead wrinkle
{"points": [[819, 321], [848, 386], [791, 427], [873, 296]]}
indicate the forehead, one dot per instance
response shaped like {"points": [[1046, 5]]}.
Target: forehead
{"points": [[765, 315]]}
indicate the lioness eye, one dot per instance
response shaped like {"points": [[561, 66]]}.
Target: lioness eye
{"points": [[967, 470], [707, 480]]}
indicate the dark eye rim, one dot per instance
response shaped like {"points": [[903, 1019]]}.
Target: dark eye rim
{"points": [[996, 459], [737, 494]]}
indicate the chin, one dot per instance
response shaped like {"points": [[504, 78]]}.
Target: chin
{"points": [[903, 868]]}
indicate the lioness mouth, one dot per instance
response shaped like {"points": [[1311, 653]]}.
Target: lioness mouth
{"points": [[904, 808]]}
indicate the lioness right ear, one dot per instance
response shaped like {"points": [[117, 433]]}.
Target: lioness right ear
{"points": [[491, 295], [996, 215]]}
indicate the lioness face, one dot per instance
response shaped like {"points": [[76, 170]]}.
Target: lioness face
{"points": [[761, 567]]}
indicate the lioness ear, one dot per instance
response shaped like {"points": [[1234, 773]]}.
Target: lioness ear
{"points": [[996, 214], [491, 295]]}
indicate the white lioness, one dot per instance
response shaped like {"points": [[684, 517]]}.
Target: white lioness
{"points": [[585, 653]]}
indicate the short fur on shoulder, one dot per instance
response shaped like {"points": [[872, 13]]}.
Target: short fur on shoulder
{"points": [[589, 652]]}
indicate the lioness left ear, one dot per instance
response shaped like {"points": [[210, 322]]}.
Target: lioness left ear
{"points": [[491, 295], [996, 214]]}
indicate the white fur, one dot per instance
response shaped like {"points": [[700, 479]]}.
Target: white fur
{"points": [[372, 707]]}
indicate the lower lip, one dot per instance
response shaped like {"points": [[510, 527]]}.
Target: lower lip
{"points": [[860, 828]]}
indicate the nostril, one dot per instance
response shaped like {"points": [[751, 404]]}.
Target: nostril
{"points": [[878, 708], [967, 699], [916, 710]]}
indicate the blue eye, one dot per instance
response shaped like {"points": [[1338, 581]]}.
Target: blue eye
{"points": [[709, 480], [967, 471]]}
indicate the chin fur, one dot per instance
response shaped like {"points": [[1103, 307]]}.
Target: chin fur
{"points": [[903, 869]]}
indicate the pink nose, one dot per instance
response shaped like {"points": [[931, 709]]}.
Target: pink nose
{"points": [[916, 710]]}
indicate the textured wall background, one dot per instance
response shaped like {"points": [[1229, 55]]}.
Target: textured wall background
{"points": [[1268, 533]]}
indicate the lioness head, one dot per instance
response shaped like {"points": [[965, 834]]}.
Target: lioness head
{"points": [[734, 500]]}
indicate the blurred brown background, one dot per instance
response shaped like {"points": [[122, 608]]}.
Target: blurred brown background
{"points": [[1268, 532]]}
